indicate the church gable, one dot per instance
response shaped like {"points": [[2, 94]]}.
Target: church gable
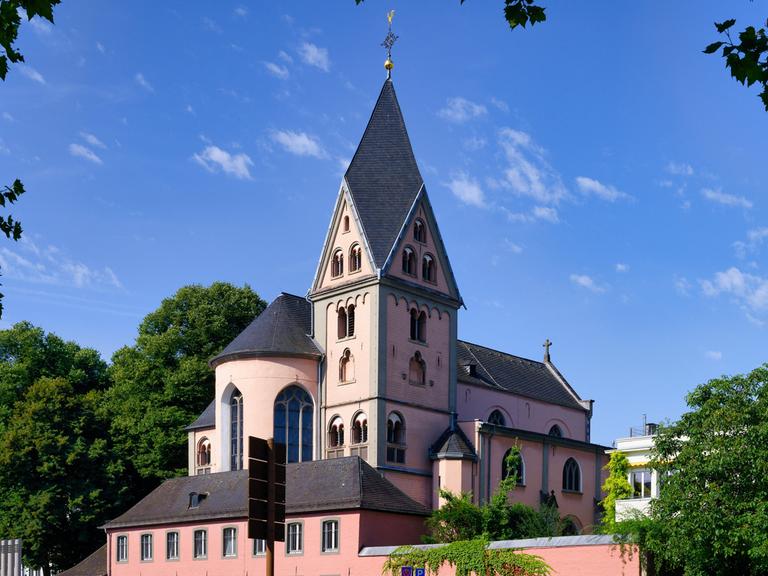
{"points": [[345, 256], [419, 256]]}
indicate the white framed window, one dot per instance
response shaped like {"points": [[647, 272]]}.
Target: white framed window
{"points": [[229, 542], [259, 547], [200, 549], [121, 549], [330, 541], [172, 545], [146, 547], [294, 540], [641, 482]]}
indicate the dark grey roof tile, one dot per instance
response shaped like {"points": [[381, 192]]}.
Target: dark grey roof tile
{"points": [[93, 565], [207, 418], [453, 444]]}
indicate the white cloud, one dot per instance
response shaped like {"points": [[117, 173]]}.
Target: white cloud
{"points": [[682, 285], [276, 70], [241, 11], [587, 282], [41, 26], [512, 246], [80, 151], [466, 189], [592, 187], [213, 158], [621, 267], [93, 140], [299, 143], [211, 25], [315, 56], [143, 82], [500, 104], [679, 169], [528, 173], [546, 213], [475, 143], [189, 110], [8, 118], [100, 47], [3, 148], [30, 73], [749, 290], [721, 197], [28, 262], [755, 238], [460, 110], [285, 57], [715, 355]]}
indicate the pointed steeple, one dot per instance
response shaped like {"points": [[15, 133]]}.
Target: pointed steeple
{"points": [[383, 178]]}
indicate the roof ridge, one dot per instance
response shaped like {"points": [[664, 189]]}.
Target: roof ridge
{"points": [[501, 352]]}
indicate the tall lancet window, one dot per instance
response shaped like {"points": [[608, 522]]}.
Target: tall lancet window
{"points": [[293, 423], [236, 430]]}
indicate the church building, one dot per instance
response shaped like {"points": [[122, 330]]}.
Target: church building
{"points": [[379, 403]]}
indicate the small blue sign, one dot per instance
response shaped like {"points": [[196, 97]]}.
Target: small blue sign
{"points": [[406, 571], [419, 572]]}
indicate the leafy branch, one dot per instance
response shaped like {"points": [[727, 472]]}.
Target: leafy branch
{"points": [[10, 20], [747, 60]]}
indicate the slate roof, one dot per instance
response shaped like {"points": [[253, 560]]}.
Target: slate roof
{"points": [[207, 418], [514, 374], [93, 565], [323, 485], [453, 444], [383, 177], [283, 328]]}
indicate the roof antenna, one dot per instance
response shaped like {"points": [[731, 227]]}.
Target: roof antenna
{"points": [[389, 41], [547, 344]]}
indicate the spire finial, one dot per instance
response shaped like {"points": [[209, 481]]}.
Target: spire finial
{"points": [[389, 41], [547, 344]]}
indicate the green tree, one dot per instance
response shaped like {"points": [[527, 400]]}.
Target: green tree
{"points": [[615, 487], [711, 516], [162, 382]]}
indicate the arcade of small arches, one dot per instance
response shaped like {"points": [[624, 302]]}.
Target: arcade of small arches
{"points": [[428, 265], [355, 261]]}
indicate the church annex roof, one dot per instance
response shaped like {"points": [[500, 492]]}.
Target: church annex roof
{"points": [[322, 485], [93, 565], [207, 418], [282, 329], [453, 444], [383, 178], [522, 376]]}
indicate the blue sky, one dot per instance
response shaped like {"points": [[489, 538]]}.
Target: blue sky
{"points": [[597, 179]]}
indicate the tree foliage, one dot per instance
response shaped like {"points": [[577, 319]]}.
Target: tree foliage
{"points": [[10, 20], [163, 382], [711, 516], [615, 487]]}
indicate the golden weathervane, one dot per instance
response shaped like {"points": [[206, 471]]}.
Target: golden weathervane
{"points": [[389, 41]]}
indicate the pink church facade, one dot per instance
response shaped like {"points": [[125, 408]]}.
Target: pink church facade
{"points": [[366, 373]]}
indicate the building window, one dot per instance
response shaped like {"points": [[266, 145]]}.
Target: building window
{"points": [[556, 431], [419, 230], [409, 261], [294, 541], [236, 430], [204, 456], [346, 322], [571, 476], [171, 545], [417, 370], [346, 224], [497, 418], [122, 549], [336, 438], [418, 325], [360, 429], [337, 266], [146, 547], [229, 543], [518, 468], [200, 544], [351, 320], [330, 536], [259, 547], [293, 423], [342, 323], [641, 483], [396, 438], [355, 258], [347, 367], [428, 268]]}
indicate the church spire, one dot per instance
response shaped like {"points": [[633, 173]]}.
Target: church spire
{"points": [[389, 41]]}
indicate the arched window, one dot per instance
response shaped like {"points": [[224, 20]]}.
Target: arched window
{"points": [[204, 456], [428, 268], [355, 258], [346, 367], [351, 320], [571, 476], [236, 430], [346, 224], [337, 266], [342, 323], [336, 433], [396, 438], [409, 261], [556, 431], [518, 469], [497, 418], [418, 325], [417, 370], [293, 423], [419, 230], [360, 429]]}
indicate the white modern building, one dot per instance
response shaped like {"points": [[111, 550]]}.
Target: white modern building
{"points": [[644, 481]]}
